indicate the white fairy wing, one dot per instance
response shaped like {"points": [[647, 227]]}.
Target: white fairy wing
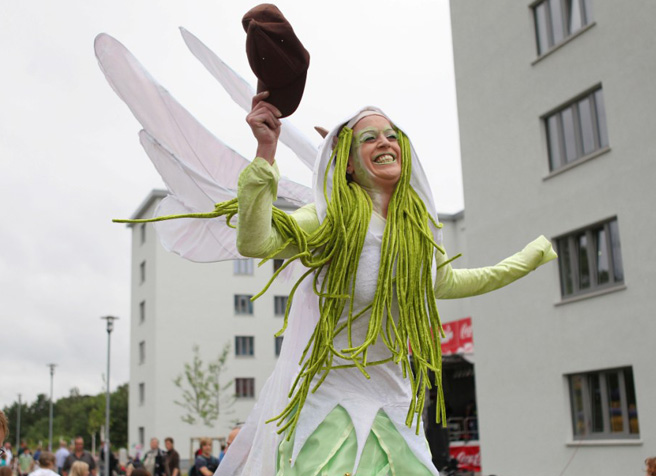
{"points": [[200, 240], [164, 118], [242, 93], [198, 169]]}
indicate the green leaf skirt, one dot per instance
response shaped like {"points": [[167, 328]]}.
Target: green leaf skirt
{"points": [[331, 450]]}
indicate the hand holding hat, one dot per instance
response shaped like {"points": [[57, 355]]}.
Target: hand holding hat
{"points": [[276, 56]]}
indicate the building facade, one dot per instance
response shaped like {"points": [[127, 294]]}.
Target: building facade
{"points": [[555, 109], [177, 305]]}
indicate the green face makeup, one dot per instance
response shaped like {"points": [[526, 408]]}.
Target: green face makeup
{"points": [[371, 134]]}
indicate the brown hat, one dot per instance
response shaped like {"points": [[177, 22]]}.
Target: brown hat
{"points": [[276, 56]]}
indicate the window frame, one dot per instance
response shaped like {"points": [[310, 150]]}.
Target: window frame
{"points": [[277, 263], [558, 158], [244, 387], [244, 346], [606, 419], [142, 312], [280, 305], [553, 43], [142, 272], [277, 345], [142, 352], [142, 394], [243, 305], [243, 267], [569, 259]]}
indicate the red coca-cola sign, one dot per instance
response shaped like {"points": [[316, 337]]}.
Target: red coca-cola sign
{"points": [[468, 456], [459, 337]]}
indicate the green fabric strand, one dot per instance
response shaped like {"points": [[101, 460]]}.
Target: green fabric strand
{"points": [[332, 255]]}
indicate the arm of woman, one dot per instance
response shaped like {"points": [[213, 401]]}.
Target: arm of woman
{"points": [[257, 190], [459, 283], [258, 186]]}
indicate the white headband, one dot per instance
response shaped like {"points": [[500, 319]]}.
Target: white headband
{"points": [[362, 115]]}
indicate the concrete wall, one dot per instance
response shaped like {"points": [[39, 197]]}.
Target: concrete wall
{"points": [[527, 338]]}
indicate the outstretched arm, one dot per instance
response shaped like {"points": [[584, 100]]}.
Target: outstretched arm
{"points": [[459, 283]]}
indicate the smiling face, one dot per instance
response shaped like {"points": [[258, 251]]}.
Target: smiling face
{"points": [[375, 159]]}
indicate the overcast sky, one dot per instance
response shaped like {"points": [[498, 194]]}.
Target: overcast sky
{"points": [[71, 159]]}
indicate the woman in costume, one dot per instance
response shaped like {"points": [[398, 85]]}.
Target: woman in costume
{"points": [[344, 396]]}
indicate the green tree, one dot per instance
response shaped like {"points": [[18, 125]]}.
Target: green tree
{"points": [[73, 415], [203, 396]]}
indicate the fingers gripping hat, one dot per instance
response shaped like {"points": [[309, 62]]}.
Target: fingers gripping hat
{"points": [[276, 56]]}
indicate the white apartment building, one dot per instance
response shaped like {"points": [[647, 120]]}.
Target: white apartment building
{"points": [[176, 305], [556, 110]]}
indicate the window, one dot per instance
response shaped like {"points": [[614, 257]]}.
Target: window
{"points": [[279, 305], [245, 387], [604, 405], [243, 304], [142, 393], [142, 230], [278, 345], [142, 436], [243, 266], [142, 312], [244, 345], [590, 259], [142, 272], [277, 263], [142, 352], [556, 20], [576, 130]]}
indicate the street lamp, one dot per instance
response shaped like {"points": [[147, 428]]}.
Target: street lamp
{"points": [[52, 375], [110, 327]]}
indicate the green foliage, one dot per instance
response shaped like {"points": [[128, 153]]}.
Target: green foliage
{"points": [[74, 415], [203, 396]]}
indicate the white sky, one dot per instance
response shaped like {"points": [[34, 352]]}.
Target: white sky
{"points": [[71, 160]]}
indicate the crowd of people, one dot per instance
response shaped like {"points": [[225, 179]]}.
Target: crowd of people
{"points": [[76, 461]]}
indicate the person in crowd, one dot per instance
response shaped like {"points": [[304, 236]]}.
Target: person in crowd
{"points": [[222, 452], [37, 453], [46, 467], [61, 455], [154, 461], [79, 454], [650, 463], [21, 447], [4, 428], [205, 463], [80, 468], [141, 472], [113, 461], [231, 437], [25, 462], [4, 431], [8, 455], [172, 458]]}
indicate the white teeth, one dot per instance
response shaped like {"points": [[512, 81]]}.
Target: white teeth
{"points": [[385, 159]]}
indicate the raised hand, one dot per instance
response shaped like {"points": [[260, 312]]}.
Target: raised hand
{"points": [[265, 125]]}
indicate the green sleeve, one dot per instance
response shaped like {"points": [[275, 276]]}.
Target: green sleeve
{"points": [[257, 191], [459, 283]]}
